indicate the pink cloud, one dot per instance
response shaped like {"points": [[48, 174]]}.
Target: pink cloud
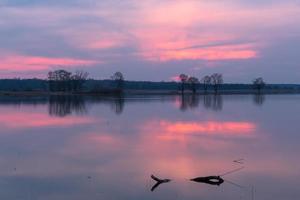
{"points": [[99, 40], [162, 45], [179, 13], [35, 63], [210, 54], [154, 31], [164, 26], [103, 44]]}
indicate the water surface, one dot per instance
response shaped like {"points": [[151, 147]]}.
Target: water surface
{"points": [[70, 148]]}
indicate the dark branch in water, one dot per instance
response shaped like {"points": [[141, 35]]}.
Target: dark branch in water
{"points": [[217, 180], [211, 180], [233, 171], [235, 184], [158, 182], [239, 161]]}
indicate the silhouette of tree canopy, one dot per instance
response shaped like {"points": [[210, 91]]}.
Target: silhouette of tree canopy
{"points": [[193, 81], [62, 80], [119, 78], [258, 84], [78, 79], [59, 80]]}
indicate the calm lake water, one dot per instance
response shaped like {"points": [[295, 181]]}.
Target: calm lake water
{"points": [[66, 148]]}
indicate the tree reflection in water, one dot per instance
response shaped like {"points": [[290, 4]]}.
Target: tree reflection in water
{"points": [[189, 101], [214, 102], [117, 104], [64, 105], [259, 99]]}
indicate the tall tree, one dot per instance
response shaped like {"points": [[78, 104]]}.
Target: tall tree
{"points": [[206, 81], [119, 79], [78, 79], [193, 81], [259, 84], [51, 81], [183, 78], [217, 81], [59, 80]]}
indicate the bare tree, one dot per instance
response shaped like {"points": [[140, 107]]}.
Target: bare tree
{"points": [[119, 78], [59, 80], [183, 78], [258, 84], [206, 80], [51, 81], [193, 81], [78, 79], [217, 81]]}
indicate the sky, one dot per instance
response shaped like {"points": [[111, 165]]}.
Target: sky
{"points": [[152, 39]]}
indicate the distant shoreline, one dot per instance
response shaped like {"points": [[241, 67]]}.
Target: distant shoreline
{"points": [[91, 87], [148, 92]]}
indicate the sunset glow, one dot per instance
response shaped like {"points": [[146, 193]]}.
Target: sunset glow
{"points": [[149, 99], [209, 54], [25, 63], [170, 36]]}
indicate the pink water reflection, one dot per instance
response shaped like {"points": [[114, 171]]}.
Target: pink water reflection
{"points": [[34, 120], [179, 130], [164, 147], [208, 127], [120, 152]]}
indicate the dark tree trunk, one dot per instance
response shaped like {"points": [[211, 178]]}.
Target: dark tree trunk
{"points": [[216, 88], [194, 88]]}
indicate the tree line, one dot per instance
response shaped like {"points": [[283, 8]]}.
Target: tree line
{"points": [[215, 81], [65, 81]]}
